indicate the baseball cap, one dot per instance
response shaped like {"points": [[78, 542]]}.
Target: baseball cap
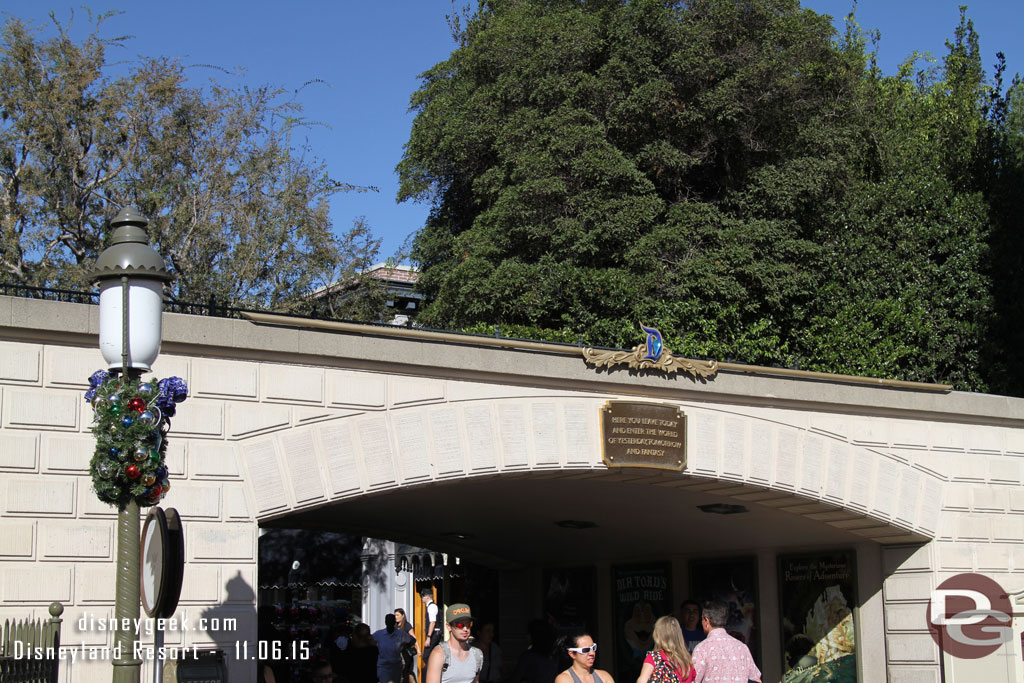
{"points": [[457, 612]]}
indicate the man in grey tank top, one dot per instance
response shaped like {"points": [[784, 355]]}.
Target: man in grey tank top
{"points": [[455, 660]]}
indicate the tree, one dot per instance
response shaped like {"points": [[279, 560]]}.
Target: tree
{"points": [[594, 163], [237, 205], [729, 172]]}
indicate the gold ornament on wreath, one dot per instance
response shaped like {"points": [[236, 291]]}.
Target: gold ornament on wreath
{"points": [[131, 418]]}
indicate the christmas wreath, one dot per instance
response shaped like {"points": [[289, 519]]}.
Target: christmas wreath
{"points": [[131, 418]]}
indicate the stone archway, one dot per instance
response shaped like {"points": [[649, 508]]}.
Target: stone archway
{"points": [[443, 431]]}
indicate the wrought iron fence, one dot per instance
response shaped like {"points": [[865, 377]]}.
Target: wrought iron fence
{"points": [[30, 649], [215, 309], [210, 308], [49, 294]]}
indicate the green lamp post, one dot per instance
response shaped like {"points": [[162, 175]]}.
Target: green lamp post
{"points": [[130, 275]]}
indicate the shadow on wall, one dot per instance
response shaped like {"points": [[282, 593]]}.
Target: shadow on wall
{"points": [[376, 562], [231, 625]]}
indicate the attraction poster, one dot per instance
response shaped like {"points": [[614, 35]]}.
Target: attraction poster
{"points": [[817, 594], [734, 582], [569, 599], [640, 594]]}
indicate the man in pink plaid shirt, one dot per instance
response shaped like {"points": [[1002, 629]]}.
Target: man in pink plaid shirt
{"points": [[720, 658]]}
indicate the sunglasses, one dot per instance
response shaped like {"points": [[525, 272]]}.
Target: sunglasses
{"points": [[461, 624], [584, 650]]}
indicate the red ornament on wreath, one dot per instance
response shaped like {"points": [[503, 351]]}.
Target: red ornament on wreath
{"points": [[132, 472], [137, 404]]}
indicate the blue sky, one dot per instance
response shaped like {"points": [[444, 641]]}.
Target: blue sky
{"points": [[370, 53]]}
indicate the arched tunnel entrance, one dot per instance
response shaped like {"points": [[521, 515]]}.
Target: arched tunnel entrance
{"points": [[610, 550]]}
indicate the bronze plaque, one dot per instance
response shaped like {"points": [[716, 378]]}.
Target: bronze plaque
{"points": [[635, 434]]}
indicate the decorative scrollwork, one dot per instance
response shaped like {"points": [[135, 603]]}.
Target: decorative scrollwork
{"points": [[642, 357]]}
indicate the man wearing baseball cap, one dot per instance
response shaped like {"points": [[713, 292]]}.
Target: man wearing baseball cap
{"points": [[456, 661]]}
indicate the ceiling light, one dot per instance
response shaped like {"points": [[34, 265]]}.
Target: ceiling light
{"points": [[722, 509], [462, 536], [576, 524]]}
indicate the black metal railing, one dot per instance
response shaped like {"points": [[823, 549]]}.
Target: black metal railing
{"points": [[215, 309], [49, 293], [210, 309]]}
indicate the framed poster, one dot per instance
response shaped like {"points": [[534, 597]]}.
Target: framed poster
{"points": [[640, 594], [733, 581], [569, 599], [817, 595]]}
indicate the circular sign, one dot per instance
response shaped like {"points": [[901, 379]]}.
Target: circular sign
{"points": [[162, 563], [969, 616]]}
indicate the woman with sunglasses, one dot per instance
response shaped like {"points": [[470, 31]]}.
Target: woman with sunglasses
{"points": [[582, 651], [669, 658]]}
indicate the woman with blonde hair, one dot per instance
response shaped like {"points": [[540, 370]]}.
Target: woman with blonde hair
{"points": [[669, 661]]}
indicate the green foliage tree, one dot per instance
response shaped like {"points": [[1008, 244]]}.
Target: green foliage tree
{"points": [[729, 172], [238, 206]]}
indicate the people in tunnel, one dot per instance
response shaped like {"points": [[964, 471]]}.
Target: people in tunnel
{"points": [[491, 671], [390, 641], [360, 657], [720, 658], [410, 651], [456, 660], [691, 615], [537, 664], [434, 630], [582, 652], [669, 661]]}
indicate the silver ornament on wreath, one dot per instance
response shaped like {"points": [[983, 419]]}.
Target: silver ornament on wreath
{"points": [[129, 425]]}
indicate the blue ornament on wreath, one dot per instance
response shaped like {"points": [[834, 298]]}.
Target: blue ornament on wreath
{"points": [[114, 452], [127, 420]]}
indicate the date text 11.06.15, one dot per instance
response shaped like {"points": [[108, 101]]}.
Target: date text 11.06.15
{"points": [[271, 650]]}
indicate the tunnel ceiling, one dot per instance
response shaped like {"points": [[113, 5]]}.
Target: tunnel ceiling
{"points": [[534, 518]]}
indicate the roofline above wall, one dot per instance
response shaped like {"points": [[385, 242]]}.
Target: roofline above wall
{"points": [[378, 349], [565, 349]]}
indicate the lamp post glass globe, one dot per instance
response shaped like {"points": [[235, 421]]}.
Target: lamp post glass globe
{"points": [[129, 263]]}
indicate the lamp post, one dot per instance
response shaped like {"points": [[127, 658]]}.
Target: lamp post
{"points": [[130, 275]]}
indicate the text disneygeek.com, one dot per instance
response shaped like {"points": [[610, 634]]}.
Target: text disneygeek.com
{"points": [[241, 649], [266, 650], [148, 627]]}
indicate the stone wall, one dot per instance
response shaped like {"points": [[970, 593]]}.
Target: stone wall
{"points": [[280, 421]]}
